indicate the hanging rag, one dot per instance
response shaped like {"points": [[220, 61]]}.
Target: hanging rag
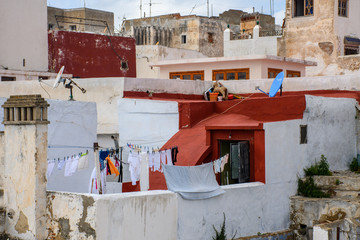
{"points": [[134, 167], [162, 158], [93, 183], [83, 161], [192, 182], [102, 156], [151, 160], [50, 168], [168, 157], [157, 161], [74, 164], [67, 171], [61, 164], [217, 165], [174, 152], [113, 169], [223, 162]]}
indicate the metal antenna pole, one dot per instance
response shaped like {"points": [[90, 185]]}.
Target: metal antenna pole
{"points": [[208, 8], [150, 8], [140, 8]]}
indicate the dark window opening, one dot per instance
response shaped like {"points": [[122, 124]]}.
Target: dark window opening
{"points": [[351, 50], [50, 26], [4, 78], [210, 38], [124, 65], [43, 77], [342, 8], [303, 8], [183, 39], [73, 27], [237, 170], [303, 134]]}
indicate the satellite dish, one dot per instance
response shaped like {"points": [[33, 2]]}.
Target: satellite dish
{"points": [[275, 86], [58, 78]]}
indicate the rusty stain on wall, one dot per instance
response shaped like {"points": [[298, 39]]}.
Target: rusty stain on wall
{"points": [[22, 224], [82, 224]]}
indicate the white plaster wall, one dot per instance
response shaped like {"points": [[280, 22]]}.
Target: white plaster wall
{"points": [[146, 123], [256, 46], [347, 26], [141, 215], [72, 125], [258, 66], [145, 54], [331, 130], [24, 35]]}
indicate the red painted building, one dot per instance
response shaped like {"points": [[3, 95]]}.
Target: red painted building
{"points": [[207, 129], [88, 55]]}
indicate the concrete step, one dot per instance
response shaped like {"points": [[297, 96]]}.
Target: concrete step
{"points": [[346, 194], [338, 182]]}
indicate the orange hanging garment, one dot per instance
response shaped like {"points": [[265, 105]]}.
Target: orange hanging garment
{"points": [[113, 169]]}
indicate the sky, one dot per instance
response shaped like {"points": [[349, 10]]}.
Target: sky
{"points": [[130, 8]]}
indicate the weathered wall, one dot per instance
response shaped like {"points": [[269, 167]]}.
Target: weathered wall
{"points": [[87, 13], [29, 75], [331, 130], [23, 35], [25, 180], [326, 43], [71, 216], [255, 46], [167, 30], [150, 215], [91, 55]]}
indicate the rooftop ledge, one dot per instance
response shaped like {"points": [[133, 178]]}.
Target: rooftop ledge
{"points": [[230, 59]]}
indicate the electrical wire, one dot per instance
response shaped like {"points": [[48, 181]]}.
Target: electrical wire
{"points": [[225, 110], [44, 90]]}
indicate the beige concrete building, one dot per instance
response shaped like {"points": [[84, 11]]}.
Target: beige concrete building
{"points": [[80, 19], [202, 34], [325, 31]]}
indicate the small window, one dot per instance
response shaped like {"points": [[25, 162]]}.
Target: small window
{"points": [[124, 65], [303, 134], [231, 74], [273, 72], [183, 39], [303, 8], [43, 77], [342, 8], [290, 73], [50, 26], [210, 38], [5, 78], [73, 27], [193, 75]]}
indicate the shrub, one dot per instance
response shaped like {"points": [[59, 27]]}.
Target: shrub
{"points": [[354, 165], [221, 235], [308, 188], [319, 168]]}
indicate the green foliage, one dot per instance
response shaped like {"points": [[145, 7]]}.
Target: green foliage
{"points": [[308, 188], [354, 165], [221, 235], [337, 182], [319, 168]]}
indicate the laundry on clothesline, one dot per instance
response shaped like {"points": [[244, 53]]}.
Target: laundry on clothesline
{"points": [[219, 164], [72, 163]]}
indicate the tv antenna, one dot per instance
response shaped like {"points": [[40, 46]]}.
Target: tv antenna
{"points": [[275, 86], [68, 83], [150, 4]]}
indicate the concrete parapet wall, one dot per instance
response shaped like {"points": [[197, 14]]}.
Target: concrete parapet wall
{"points": [[145, 215]]}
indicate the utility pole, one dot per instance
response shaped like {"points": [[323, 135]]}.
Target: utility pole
{"points": [[208, 8], [150, 8], [140, 8]]}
